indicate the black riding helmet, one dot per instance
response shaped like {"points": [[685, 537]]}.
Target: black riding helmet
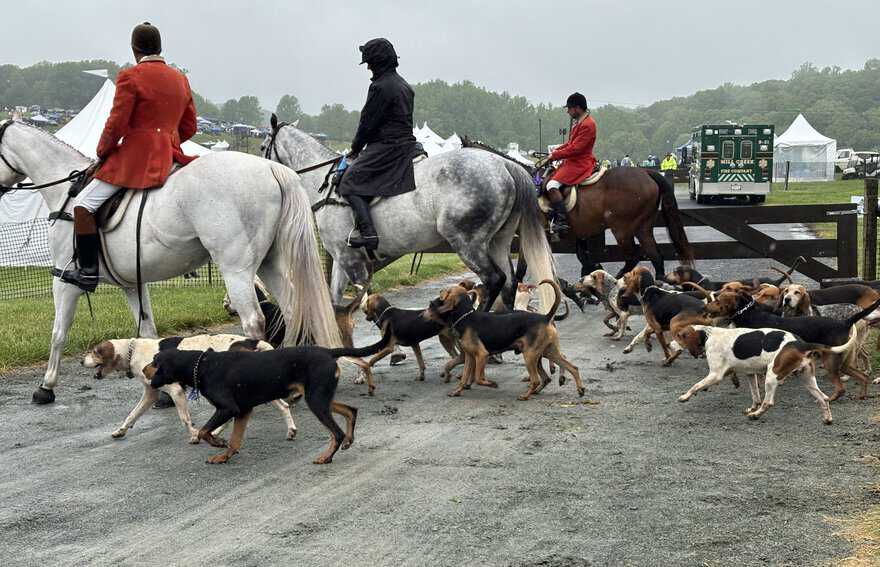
{"points": [[576, 99]]}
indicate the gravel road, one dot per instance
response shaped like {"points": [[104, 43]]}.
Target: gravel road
{"points": [[625, 476]]}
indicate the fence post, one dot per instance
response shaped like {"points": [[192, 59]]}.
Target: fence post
{"points": [[787, 169], [847, 245], [869, 260]]}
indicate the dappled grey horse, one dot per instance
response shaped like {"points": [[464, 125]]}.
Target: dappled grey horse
{"points": [[246, 213], [470, 198]]}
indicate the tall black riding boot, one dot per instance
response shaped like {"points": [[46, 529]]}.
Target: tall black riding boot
{"points": [[368, 238], [559, 220], [86, 276]]}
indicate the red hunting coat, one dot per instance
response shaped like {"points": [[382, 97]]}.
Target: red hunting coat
{"points": [[153, 112], [577, 153]]}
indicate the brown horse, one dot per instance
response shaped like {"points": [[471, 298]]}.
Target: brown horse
{"points": [[626, 200]]}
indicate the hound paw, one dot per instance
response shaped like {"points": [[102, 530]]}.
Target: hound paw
{"points": [[581, 392], [627, 350], [218, 459], [291, 434], [322, 460], [359, 379], [685, 397], [119, 433], [346, 443]]}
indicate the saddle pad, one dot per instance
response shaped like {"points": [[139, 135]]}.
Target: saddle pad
{"points": [[112, 212], [593, 178], [547, 206]]}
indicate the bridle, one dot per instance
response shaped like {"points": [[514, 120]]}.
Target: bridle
{"points": [[6, 124]]}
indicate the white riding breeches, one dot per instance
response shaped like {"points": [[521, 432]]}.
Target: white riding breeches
{"points": [[553, 184], [93, 196]]}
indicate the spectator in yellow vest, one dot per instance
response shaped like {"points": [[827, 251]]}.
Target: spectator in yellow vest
{"points": [[668, 163]]}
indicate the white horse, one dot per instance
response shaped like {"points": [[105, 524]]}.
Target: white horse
{"points": [[472, 199], [250, 215]]}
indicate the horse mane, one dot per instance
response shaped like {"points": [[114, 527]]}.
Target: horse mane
{"points": [[302, 137], [53, 138]]}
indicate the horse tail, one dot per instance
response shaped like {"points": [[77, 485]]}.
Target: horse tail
{"points": [[305, 300], [674, 225], [533, 245]]}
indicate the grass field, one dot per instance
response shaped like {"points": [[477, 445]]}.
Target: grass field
{"points": [[27, 323]]}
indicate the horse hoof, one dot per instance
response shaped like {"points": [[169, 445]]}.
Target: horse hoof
{"points": [[43, 396]]}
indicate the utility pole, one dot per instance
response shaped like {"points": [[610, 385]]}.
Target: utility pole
{"points": [[540, 137]]}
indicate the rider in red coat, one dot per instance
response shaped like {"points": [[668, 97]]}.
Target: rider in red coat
{"points": [[153, 112], [577, 154]]}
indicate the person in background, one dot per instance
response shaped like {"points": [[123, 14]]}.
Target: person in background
{"points": [[626, 161], [669, 163]]}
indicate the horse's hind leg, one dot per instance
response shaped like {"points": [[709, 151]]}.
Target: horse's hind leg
{"points": [[492, 276], [649, 246], [240, 286], [500, 255], [147, 324], [626, 242], [65, 297]]}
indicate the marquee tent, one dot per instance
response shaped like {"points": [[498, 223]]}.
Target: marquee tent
{"points": [[810, 154], [82, 132]]}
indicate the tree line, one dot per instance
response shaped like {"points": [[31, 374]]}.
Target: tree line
{"points": [[842, 104]]}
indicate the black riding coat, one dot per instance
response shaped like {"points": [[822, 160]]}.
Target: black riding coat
{"points": [[384, 167]]}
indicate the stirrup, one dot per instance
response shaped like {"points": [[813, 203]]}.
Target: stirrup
{"points": [[75, 277]]}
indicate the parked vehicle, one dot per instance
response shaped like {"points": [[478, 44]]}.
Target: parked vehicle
{"points": [[842, 160], [731, 160], [861, 164]]}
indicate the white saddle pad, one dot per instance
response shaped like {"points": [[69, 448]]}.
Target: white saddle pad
{"points": [[571, 200]]}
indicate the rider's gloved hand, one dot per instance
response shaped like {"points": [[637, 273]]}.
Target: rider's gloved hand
{"points": [[542, 162]]}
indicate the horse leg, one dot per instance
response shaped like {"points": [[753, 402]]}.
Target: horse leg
{"points": [[649, 247], [500, 254], [243, 296], [338, 283], [626, 242], [584, 248], [65, 297], [148, 324], [477, 259]]}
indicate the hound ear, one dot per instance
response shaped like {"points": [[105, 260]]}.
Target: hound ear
{"points": [[474, 295], [273, 121]]}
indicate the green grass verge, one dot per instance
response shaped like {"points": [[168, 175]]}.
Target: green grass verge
{"points": [[27, 323]]}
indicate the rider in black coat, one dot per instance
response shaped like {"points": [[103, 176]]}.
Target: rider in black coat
{"points": [[384, 146]]}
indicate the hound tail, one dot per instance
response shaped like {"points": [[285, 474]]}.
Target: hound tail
{"points": [[533, 245], [862, 314], [305, 300], [557, 298], [363, 351]]}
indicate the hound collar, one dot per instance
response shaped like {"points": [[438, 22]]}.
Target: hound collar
{"points": [[378, 321], [460, 319], [742, 310], [129, 372], [194, 394]]}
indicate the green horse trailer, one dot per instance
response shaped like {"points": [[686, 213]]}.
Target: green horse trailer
{"points": [[731, 160]]}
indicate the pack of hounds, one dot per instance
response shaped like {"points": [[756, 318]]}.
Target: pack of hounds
{"points": [[759, 328]]}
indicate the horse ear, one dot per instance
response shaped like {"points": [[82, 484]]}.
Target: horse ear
{"points": [[273, 121]]}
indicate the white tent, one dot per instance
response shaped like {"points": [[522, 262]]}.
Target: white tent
{"points": [[82, 132], [427, 134], [453, 142], [810, 154], [513, 152]]}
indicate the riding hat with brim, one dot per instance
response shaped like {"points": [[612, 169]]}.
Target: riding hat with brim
{"points": [[576, 99]]}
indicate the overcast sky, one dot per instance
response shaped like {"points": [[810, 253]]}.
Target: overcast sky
{"points": [[624, 52]]}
